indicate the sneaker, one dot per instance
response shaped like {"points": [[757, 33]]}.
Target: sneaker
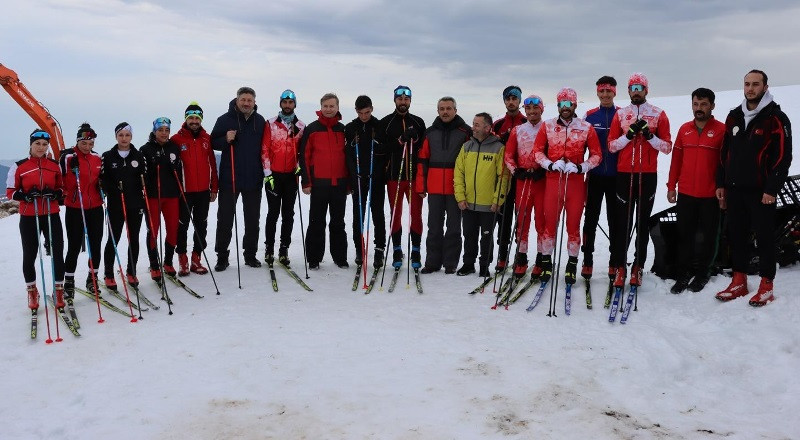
{"points": [[636, 276], [183, 265], [764, 295], [132, 280], [69, 288], [415, 257], [466, 269], [377, 259], [283, 255], [698, 283], [59, 296], [429, 269], [681, 284], [33, 297], [546, 267], [619, 277], [110, 282], [449, 270], [251, 261], [197, 266], [586, 271], [314, 265], [397, 257], [520, 264], [737, 288], [170, 270], [484, 272], [571, 270], [342, 264]]}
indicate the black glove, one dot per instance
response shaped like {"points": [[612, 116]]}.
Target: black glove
{"points": [[635, 128], [520, 173], [20, 196], [645, 129], [52, 194], [74, 165], [410, 134]]}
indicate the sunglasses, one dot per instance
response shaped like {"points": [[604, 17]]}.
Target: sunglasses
{"points": [[198, 113], [403, 91], [288, 95], [532, 101], [564, 104], [636, 88], [41, 135]]}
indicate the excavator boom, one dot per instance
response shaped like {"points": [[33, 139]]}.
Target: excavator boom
{"points": [[35, 109]]}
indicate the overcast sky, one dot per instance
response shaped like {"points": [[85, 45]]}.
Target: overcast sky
{"points": [[105, 61]]}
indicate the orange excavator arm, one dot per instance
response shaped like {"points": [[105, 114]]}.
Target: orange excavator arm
{"points": [[35, 109]]}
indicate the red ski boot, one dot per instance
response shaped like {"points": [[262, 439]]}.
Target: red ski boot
{"points": [[59, 295], [33, 297], [183, 265], [737, 288], [197, 266], [764, 295], [636, 276], [619, 277]]}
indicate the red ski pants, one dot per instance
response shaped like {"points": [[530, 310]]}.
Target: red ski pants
{"points": [[397, 211], [169, 209], [530, 196], [554, 202]]}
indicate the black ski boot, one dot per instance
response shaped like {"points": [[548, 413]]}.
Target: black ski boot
{"points": [[283, 255], [397, 257], [377, 260], [69, 287], [571, 270], [546, 265], [415, 257]]}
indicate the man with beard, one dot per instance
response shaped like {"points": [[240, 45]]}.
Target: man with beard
{"points": [[756, 155], [200, 187], [282, 133], [512, 96], [695, 157], [366, 161], [638, 132], [560, 147], [443, 141], [529, 177], [403, 133]]}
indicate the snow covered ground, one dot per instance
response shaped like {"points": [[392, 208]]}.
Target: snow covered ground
{"points": [[336, 364]]}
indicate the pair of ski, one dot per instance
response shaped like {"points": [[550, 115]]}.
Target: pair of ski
{"points": [[615, 303], [65, 316], [396, 276], [371, 285], [292, 274]]}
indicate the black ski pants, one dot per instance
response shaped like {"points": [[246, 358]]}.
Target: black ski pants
{"points": [[376, 201], [73, 222], [251, 207], [30, 246], [505, 218], [697, 215], [634, 199], [478, 227], [197, 213], [325, 198], [117, 219], [280, 203], [746, 214], [598, 188], [442, 248]]}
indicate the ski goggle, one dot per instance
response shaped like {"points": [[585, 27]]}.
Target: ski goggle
{"points": [[161, 122], [288, 94], [40, 135], [400, 91], [532, 101], [198, 113], [636, 88], [564, 104]]}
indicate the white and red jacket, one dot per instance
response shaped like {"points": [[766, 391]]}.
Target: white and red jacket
{"points": [[279, 145], [695, 157], [519, 147], [89, 166], [632, 151], [199, 161], [569, 141]]}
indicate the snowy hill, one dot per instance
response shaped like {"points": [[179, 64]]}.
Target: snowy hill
{"points": [[338, 364]]}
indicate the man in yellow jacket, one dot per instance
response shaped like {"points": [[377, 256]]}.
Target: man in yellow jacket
{"points": [[480, 184]]}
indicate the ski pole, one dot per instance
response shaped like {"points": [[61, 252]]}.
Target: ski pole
{"points": [[409, 177], [52, 265], [302, 227], [514, 234], [151, 231], [235, 220], [369, 205], [527, 188], [391, 212], [86, 236], [116, 252], [563, 214], [638, 227], [194, 226], [360, 206], [49, 339]]}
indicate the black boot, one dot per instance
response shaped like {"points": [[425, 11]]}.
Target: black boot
{"points": [[377, 260], [571, 271], [222, 262], [283, 255], [681, 284], [69, 287]]}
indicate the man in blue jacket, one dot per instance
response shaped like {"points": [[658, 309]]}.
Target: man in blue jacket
{"points": [[237, 134], [601, 181]]}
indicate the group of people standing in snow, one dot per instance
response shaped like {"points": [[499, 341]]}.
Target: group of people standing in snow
{"points": [[505, 174]]}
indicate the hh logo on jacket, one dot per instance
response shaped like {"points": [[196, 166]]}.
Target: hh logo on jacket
{"points": [[488, 157]]}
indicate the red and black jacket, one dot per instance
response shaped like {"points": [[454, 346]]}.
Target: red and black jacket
{"points": [[437, 158], [695, 156], [502, 127], [322, 156], [89, 167], [199, 161], [163, 164], [38, 173]]}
